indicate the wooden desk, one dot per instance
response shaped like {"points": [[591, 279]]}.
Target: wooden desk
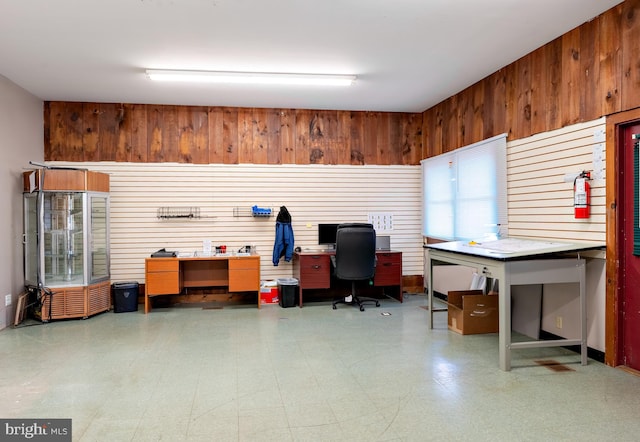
{"points": [[534, 262], [169, 276], [313, 271]]}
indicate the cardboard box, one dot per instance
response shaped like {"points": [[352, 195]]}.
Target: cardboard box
{"points": [[269, 295], [470, 312]]}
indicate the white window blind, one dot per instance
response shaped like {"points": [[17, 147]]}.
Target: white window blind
{"points": [[465, 192]]}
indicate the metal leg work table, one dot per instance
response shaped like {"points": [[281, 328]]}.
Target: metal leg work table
{"points": [[517, 268]]}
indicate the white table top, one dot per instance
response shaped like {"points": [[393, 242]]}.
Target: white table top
{"points": [[513, 248]]}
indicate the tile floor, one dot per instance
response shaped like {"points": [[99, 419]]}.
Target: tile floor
{"points": [[311, 374]]}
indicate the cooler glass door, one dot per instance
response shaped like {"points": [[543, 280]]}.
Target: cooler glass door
{"points": [[99, 227]]}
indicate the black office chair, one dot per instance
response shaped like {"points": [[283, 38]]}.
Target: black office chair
{"points": [[355, 259]]}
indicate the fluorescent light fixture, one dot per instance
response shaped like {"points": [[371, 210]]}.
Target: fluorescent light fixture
{"points": [[250, 77]]}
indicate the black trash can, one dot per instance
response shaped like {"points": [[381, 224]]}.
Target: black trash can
{"points": [[288, 292], [125, 297]]}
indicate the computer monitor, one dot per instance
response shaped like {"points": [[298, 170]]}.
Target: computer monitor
{"points": [[327, 234]]}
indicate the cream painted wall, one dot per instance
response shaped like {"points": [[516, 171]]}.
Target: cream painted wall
{"points": [[21, 140]]}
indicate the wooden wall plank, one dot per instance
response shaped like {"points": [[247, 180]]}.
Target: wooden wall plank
{"points": [[356, 154], [343, 151], [230, 136], [590, 70], [370, 148], [108, 126], [610, 60], [464, 113], [477, 121], [69, 122], [154, 134], [245, 135], [56, 133], [511, 100], [538, 77], [497, 94], [193, 134], [216, 135], [287, 136], [171, 135], [91, 131], [431, 132], [274, 144], [139, 134], [571, 78], [411, 142], [523, 97], [631, 54], [553, 53], [332, 143], [303, 151], [46, 116], [383, 137], [396, 138], [320, 138], [124, 133], [260, 137], [450, 128]]}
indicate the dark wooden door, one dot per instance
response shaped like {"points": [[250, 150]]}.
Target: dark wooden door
{"points": [[629, 247]]}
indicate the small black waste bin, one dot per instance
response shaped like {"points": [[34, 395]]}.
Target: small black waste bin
{"points": [[125, 297], [288, 292]]}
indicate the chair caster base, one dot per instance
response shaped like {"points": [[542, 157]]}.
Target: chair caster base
{"points": [[354, 302]]}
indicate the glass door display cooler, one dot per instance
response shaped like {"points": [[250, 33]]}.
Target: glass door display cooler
{"points": [[66, 242]]}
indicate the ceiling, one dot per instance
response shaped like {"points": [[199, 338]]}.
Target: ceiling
{"points": [[408, 54]]}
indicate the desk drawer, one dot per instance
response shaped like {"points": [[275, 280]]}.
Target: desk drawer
{"points": [[244, 263], [162, 264], [247, 280], [162, 283], [244, 274], [314, 271], [388, 269]]}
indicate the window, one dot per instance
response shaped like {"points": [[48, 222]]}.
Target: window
{"points": [[465, 192]]}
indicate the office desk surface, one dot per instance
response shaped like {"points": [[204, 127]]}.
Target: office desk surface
{"points": [[507, 249]]}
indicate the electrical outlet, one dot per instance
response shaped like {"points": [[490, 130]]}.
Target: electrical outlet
{"points": [[559, 322], [7, 300]]}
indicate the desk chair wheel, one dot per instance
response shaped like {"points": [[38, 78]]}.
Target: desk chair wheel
{"points": [[334, 307], [362, 308]]}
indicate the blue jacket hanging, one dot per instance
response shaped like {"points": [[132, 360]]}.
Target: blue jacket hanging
{"points": [[284, 241]]}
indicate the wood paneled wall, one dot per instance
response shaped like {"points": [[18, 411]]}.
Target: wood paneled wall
{"points": [[215, 135], [589, 72]]}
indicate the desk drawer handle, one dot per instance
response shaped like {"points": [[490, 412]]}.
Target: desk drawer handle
{"points": [[316, 267]]}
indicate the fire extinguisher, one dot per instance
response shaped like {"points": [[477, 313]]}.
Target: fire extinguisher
{"points": [[582, 195]]}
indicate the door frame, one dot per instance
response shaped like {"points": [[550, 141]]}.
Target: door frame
{"points": [[613, 309]]}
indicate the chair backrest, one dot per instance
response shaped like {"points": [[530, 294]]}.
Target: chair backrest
{"points": [[355, 251]]}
